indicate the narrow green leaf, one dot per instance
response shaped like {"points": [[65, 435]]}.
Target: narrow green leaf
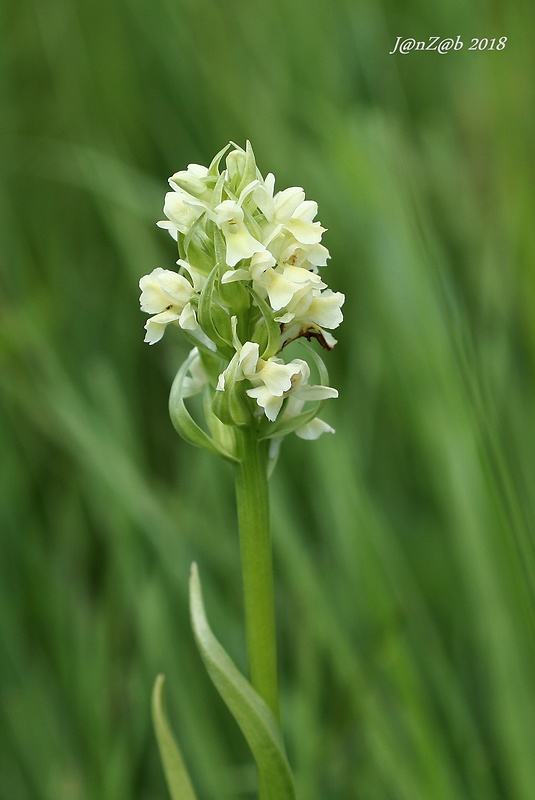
{"points": [[217, 196], [207, 309], [320, 364], [272, 328], [285, 426], [232, 406], [184, 423], [220, 246], [255, 719], [213, 169], [250, 171], [196, 230], [176, 773], [221, 433]]}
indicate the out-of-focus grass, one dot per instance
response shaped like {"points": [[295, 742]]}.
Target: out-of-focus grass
{"points": [[404, 545]]}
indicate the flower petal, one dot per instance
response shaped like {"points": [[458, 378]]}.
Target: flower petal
{"points": [[313, 429], [269, 402], [277, 376], [152, 300]]}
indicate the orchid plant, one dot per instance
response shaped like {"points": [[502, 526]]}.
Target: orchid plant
{"points": [[248, 284]]}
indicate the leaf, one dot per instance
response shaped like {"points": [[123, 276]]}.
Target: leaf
{"points": [[213, 169], [285, 426], [176, 774], [273, 329], [208, 308], [232, 406], [253, 716], [184, 423]]}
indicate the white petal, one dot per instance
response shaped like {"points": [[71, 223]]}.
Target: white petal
{"points": [[324, 309], [152, 299], [169, 226], [241, 245], [232, 275], [181, 213], [316, 392], [277, 376], [191, 179], [227, 211], [155, 326], [248, 359], [280, 291], [177, 288], [270, 403], [263, 196], [260, 262], [198, 278], [313, 429], [306, 211], [188, 319], [235, 161], [154, 332], [285, 318], [317, 255], [246, 191], [302, 276], [286, 203], [193, 385], [305, 232]]}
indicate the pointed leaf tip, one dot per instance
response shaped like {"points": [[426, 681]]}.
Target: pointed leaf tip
{"points": [[176, 774]]}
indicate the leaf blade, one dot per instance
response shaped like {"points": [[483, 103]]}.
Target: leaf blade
{"points": [[253, 716], [176, 773]]}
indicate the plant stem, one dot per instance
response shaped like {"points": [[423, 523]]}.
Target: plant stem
{"points": [[257, 566]]}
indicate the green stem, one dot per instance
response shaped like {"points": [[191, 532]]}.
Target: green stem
{"points": [[257, 566]]}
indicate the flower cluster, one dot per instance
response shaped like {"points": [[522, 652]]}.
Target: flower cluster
{"points": [[249, 271]]}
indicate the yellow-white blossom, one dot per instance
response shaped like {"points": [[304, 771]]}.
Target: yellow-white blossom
{"points": [[167, 296], [229, 217]]}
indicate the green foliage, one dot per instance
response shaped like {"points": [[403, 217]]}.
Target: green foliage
{"points": [[253, 716], [404, 546], [176, 773]]}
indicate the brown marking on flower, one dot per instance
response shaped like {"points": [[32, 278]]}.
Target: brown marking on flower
{"points": [[307, 333]]}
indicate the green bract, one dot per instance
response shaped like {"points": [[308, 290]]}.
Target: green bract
{"points": [[247, 284]]}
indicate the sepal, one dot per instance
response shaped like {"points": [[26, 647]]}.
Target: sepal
{"points": [[213, 320], [267, 335]]}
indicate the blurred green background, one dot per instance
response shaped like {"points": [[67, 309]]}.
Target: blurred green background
{"points": [[404, 545]]}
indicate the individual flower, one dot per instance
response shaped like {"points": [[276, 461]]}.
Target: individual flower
{"points": [[229, 218], [287, 250], [290, 211], [181, 211], [167, 295], [193, 181], [310, 306], [273, 380], [280, 208]]}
